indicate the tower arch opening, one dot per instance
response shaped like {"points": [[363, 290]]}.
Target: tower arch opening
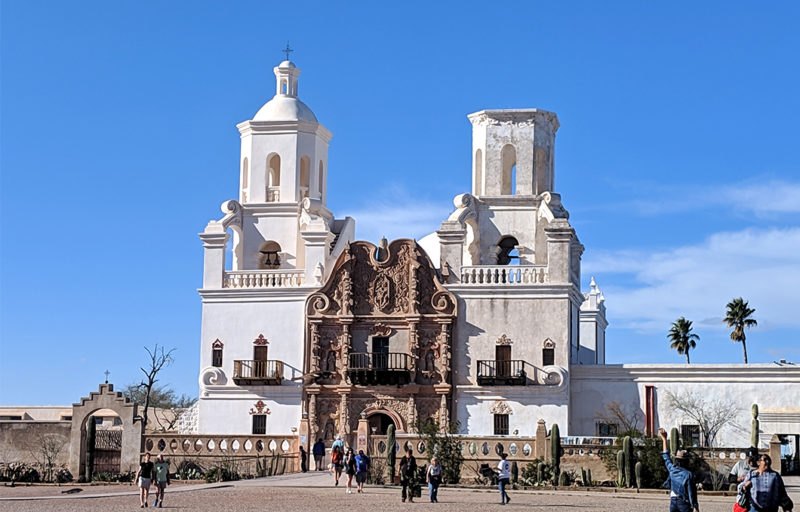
{"points": [[305, 171], [273, 178], [508, 253], [269, 255], [508, 158], [478, 172]]}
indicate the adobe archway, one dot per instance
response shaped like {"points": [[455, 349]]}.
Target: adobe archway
{"points": [[105, 398]]}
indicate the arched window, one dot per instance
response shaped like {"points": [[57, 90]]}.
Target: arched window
{"points": [[508, 254], [305, 170], [321, 181], [508, 156], [269, 255], [479, 172], [273, 178]]}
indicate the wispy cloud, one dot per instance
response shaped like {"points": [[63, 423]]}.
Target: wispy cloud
{"points": [[696, 281], [760, 197], [395, 213]]}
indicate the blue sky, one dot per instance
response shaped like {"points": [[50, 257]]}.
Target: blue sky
{"points": [[677, 158]]}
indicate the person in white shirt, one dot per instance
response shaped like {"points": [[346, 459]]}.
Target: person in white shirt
{"points": [[504, 474]]}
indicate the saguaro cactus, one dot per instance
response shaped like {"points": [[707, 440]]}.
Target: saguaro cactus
{"points": [[674, 441], [583, 476], [754, 427], [391, 455], [627, 447], [620, 468], [91, 433], [514, 473], [638, 471], [589, 475], [555, 451], [563, 479], [540, 473]]}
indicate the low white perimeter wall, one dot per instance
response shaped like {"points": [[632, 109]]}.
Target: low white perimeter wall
{"points": [[776, 390]]}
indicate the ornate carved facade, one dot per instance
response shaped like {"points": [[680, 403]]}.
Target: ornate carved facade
{"points": [[379, 340]]}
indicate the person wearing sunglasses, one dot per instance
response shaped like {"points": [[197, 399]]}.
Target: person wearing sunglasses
{"points": [[767, 491]]}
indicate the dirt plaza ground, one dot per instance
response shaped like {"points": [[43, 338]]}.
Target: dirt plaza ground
{"points": [[313, 491]]}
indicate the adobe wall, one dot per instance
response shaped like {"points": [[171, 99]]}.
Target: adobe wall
{"points": [[20, 441]]}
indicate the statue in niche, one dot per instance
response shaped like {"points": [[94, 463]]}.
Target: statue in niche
{"points": [[330, 362], [430, 361], [329, 431]]}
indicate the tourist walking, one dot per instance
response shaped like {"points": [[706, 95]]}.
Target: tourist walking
{"points": [[503, 476], [319, 453], [303, 462], [767, 491], [161, 480], [350, 469], [337, 458], [434, 477], [743, 467], [683, 490], [362, 467], [143, 478], [408, 474], [338, 442]]}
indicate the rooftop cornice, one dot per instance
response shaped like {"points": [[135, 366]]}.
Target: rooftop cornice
{"points": [[516, 116], [276, 127], [722, 373]]}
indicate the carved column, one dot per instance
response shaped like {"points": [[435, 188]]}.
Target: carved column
{"points": [[313, 427], [413, 350], [345, 343], [344, 418], [412, 414], [444, 415], [315, 348], [444, 349]]}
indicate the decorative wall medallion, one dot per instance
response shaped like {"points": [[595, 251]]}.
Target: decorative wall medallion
{"points": [[548, 343], [261, 340], [381, 291], [259, 408], [500, 407], [504, 340], [380, 330], [216, 344]]}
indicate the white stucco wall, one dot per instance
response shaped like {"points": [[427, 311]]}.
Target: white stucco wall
{"points": [[776, 389]]}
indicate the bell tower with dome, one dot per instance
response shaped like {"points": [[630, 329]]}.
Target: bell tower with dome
{"points": [[284, 148]]}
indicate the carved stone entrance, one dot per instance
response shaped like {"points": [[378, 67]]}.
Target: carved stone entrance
{"points": [[379, 340]]}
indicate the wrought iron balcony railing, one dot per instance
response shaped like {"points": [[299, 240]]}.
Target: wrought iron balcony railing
{"points": [[379, 368], [502, 373], [257, 372]]}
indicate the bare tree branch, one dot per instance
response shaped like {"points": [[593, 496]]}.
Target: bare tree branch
{"points": [[626, 417], [710, 415], [159, 359]]}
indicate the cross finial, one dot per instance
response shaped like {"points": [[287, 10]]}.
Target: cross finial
{"points": [[287, 50], [107, 373]]}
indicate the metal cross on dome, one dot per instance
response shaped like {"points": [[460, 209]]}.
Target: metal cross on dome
{"points": [[287, 50], [107, 373]]}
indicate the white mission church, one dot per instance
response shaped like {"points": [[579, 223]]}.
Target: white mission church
{"points": [[483, 322]]}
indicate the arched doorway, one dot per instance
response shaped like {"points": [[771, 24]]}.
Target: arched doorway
{"points": [[379, 423]]}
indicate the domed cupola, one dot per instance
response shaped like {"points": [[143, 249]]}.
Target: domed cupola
{"points": [[285, 106], [284, 147]]}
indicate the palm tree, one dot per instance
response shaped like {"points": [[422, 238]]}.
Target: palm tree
{"points": [[682, 337], [738, 317]]}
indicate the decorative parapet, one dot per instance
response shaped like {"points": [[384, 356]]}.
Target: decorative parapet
{"points": [[504, 275], [264, 278]]}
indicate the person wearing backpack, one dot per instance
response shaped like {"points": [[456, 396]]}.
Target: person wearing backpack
{"points": [[408, 472], [336, 464], [362, 467]]}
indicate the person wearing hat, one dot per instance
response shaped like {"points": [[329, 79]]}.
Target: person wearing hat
{"points": [[683, 490], [503, 476], [743, 467], [161, 479]]}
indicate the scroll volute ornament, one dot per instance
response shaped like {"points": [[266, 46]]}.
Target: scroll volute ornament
{"points": [[381, 330]]}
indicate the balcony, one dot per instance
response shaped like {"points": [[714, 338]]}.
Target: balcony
{"points": [[269, 373], [502, 373], [368, 368]]}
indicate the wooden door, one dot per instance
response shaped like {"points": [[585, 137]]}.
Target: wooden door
{"points": [[503, 360]]}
